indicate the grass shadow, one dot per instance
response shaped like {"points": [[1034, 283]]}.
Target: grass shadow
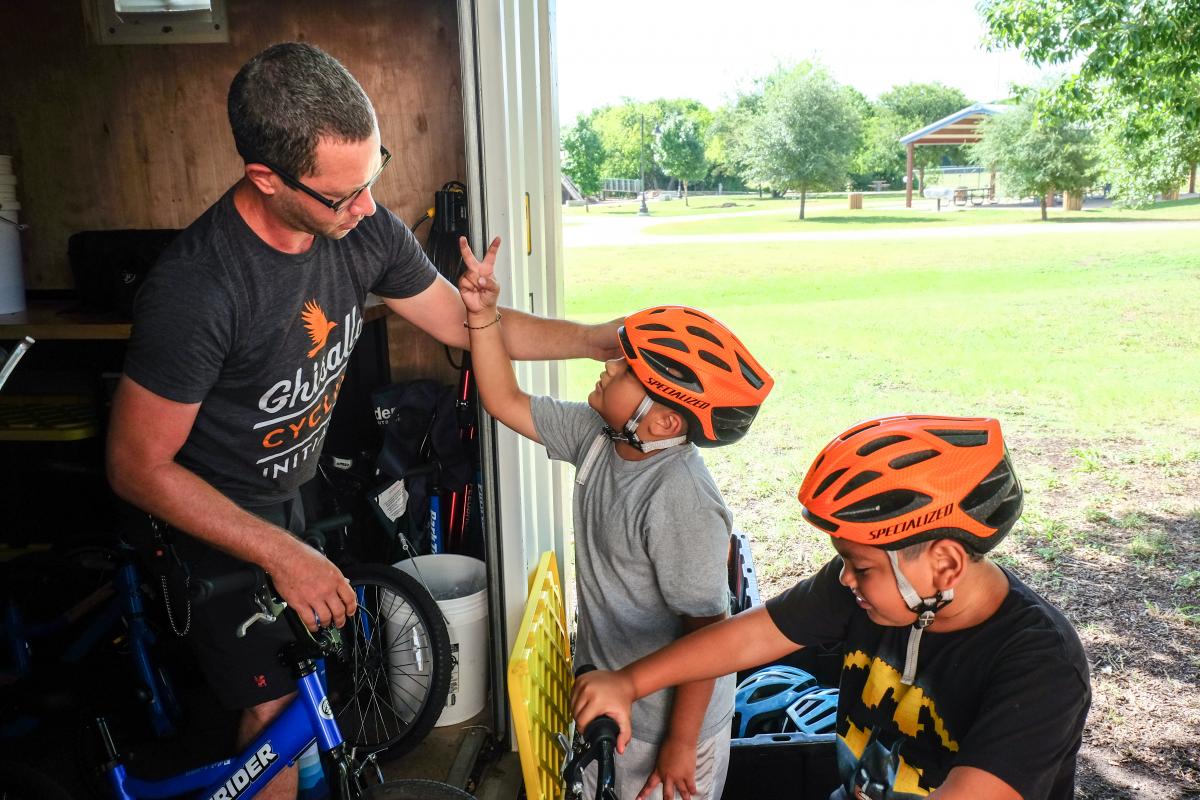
{"points": [[870, 220], [1061, 220]]}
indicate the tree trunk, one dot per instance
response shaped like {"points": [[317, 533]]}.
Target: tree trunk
{"points": [[1043, 208], [803, 193], [921, 177], [685, 197], [1192, 181]]}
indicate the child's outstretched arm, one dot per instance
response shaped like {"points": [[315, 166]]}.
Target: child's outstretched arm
{"points": [[494, 377], [747, 640]]}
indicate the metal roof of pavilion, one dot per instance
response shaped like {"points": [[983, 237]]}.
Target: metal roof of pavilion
{"points": [[961, 127]]}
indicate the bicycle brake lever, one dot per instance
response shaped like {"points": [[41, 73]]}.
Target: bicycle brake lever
{"points": [[265, 614]]}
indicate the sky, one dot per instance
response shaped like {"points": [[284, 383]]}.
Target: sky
{"points": [[707, 50]]}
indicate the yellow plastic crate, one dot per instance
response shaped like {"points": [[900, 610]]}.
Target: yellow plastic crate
{"points": [[539, 683], [31, 418]]}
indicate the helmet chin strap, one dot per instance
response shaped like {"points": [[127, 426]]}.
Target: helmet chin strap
{"points": [[924, 607], [629, 434]]}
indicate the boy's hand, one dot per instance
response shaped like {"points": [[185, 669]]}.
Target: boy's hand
{"points": [[478, 286], [675, 770], [603, 692]]}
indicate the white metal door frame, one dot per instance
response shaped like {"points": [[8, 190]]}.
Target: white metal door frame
{"points": [[510, 116]]}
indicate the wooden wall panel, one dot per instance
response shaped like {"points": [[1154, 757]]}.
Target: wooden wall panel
{"points": [[132, 136]]}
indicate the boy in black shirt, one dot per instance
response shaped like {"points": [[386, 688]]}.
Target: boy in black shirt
{"points": [[957, 679]]}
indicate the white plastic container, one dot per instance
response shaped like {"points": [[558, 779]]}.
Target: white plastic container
{"points": [[12, 278], [459, 585]]}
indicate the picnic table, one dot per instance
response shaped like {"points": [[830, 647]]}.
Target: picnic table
{"points": [[879, 186]]}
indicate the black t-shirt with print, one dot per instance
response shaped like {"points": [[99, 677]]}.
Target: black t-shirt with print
{"points": [[1008, 696], [261, 339]]}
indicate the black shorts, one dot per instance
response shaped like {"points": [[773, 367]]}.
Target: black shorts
{"points": [[242, 672]]}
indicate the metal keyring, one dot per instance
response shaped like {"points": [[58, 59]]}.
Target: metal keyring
{"points": [[317, 617]]}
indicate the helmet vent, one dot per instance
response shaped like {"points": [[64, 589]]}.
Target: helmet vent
{"points": [[674, 344], [654, 326], [750, 375], [695, 313], [730, 423], [859, 429], [985, 500], [880, 443], [714, 360], [704, 334], [908, 459], [887, 505], [820, 522], [829, 479], [858, 481], [961, 438], [672, 371]]}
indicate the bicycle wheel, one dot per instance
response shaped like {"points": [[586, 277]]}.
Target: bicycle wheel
{"points": [[23, 782], [392, 686]]}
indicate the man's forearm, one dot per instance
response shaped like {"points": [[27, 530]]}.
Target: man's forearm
{"points": [[182, 499], [529, 337]]}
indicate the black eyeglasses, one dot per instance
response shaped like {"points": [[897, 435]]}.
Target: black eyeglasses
{"points": [[333, 205]]}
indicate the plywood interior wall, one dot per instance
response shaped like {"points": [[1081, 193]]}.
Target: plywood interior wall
{"points": [[136, 136]]}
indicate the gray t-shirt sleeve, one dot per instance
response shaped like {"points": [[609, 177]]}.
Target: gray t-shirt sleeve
{"points": [[566, 429], [687, 541], [181, 334], [406, 271]]}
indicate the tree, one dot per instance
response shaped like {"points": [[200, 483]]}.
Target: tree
{"points": [[1036, 156], [916, 105], [679, 150], [583, 157], [1137, 76], [1146, 53], [802, 135], [1146, 153]]}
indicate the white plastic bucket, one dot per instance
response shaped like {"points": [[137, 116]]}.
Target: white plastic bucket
{"points": [[12, 279], [459, 585]]}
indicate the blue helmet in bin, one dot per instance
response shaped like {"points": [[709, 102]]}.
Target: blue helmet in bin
{"points": [[761, 702], [814, 713]]}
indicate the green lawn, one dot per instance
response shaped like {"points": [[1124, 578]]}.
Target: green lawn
{"points": [[827, 215], [1066, 339]]}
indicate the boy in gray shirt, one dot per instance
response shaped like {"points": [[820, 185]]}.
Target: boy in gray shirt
{"points": [[651, 528]]}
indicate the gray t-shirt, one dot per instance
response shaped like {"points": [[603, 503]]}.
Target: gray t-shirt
{"points": [[651, 543], [261, 339]]}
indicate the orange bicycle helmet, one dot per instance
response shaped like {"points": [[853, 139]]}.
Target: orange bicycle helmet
{"points": [[693, 364], [897, 481]]}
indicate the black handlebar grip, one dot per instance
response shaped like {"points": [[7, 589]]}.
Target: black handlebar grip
{"points": [[205, 589], [601, 729]]}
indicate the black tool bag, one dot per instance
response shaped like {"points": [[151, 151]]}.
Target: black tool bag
{"points": [[110, 266]]}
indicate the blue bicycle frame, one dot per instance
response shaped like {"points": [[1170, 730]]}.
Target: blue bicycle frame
{"points": [[127, 603], [308, 718]]}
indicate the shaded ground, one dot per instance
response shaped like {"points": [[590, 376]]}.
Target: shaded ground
{"points": [[1111, 535]]}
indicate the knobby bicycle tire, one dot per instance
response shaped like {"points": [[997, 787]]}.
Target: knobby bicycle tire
{"points": [[392, 685], [23, 782]]}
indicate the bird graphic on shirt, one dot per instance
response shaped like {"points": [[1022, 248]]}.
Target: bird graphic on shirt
{"points": [[318, 326]]}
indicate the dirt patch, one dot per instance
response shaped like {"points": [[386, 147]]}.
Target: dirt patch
{"points": [[1111, 535]]}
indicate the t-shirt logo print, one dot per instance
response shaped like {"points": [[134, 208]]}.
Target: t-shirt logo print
{"points": [[317, 324]]}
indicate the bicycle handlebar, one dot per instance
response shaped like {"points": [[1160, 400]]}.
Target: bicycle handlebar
{"points": [[599, 745], [202, 590]]}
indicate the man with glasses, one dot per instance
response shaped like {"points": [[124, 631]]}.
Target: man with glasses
{"points": [[241, 337]]}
